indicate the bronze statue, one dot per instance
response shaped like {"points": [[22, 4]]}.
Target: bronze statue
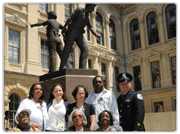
{"points": [[76, 23], [54, 42]]}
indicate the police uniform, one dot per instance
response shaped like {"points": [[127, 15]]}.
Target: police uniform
{"points": [[131, 107]]}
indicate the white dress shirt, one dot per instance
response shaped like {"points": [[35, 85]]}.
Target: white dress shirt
{"points": [[106, 100], [38, 115], [56, 114]]}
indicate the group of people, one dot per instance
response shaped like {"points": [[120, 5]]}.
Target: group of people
{"points": [[98, 111]]}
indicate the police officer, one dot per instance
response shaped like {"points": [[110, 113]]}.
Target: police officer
{"points": [[130, 105]]}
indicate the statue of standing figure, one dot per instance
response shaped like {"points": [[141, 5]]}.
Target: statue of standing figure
{"points": [[54, 42], [76, 23]]}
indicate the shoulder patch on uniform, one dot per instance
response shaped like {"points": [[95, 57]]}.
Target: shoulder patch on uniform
{"points": [[139, 96]]}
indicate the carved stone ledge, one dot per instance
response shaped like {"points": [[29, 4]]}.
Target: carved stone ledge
{"points": [[15, 19]]}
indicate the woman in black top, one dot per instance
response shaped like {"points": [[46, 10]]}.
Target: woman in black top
{"points": [[80, 94]]}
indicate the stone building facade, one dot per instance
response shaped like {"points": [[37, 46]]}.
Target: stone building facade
{"points": [[136, 38]]}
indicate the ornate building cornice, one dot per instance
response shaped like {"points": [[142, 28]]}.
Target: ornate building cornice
{"points": [[15, 19], [122, 7], [134, 59]]}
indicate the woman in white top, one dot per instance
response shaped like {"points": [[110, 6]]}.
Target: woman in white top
{"points": [[39, 116], [56, 109]]}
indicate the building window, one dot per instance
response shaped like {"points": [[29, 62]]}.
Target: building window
{"points": [[112, 31], [68, 10], [152, 28], [89, 63], [70, 62], [137, 78], [158, 106], [173, 69], [13, 46], [99, 28], [44, 54], [170, 12], [13, 106], [135, 34], [43, 7], [116, 72], [156, 78], [103, 74]]}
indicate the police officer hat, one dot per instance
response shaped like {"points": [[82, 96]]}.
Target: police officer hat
{"points": [[52, 14], [124, 77]]}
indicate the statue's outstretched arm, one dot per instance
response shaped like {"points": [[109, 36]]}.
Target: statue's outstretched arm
{"points": [[39, 24]]}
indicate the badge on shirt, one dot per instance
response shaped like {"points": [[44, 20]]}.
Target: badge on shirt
{"points": [[139, 96]]}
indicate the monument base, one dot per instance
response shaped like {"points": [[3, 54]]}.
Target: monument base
{"points": [[69, 79]]}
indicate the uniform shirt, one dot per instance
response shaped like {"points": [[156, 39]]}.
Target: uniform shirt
{"points": [[131, 111], [38, 115], [106, 100]]}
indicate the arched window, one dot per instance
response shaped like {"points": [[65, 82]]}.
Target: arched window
{"points": [[135, 34], [99, 28], [152, 27], [170, 12], [112, 31], [13, 106]]}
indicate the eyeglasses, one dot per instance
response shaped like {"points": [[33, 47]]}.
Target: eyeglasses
{"points": [[23, 114], [75, 116], [81, 93]]}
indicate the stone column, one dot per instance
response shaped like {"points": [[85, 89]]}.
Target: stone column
{"points": [[107, 34], [126, 40], [142, 35], [147, 74], [161, 29], [33, 48], [94, 26]]}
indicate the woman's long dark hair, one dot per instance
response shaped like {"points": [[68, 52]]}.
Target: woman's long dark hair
{"points": [[32, 89], [111, 118], [51, 97]]}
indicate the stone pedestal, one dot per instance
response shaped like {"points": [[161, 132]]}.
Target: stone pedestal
{"points": [[69, 78]]}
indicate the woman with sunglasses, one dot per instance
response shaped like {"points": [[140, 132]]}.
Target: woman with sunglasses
{"points": [[80, 94], [39, 116], [77, 121]]}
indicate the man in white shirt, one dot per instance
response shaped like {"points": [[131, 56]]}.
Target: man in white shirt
{"points": [[103, 99]]}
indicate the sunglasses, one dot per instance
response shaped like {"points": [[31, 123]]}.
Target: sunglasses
{"points": [[75, 117], [24, 114]]}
